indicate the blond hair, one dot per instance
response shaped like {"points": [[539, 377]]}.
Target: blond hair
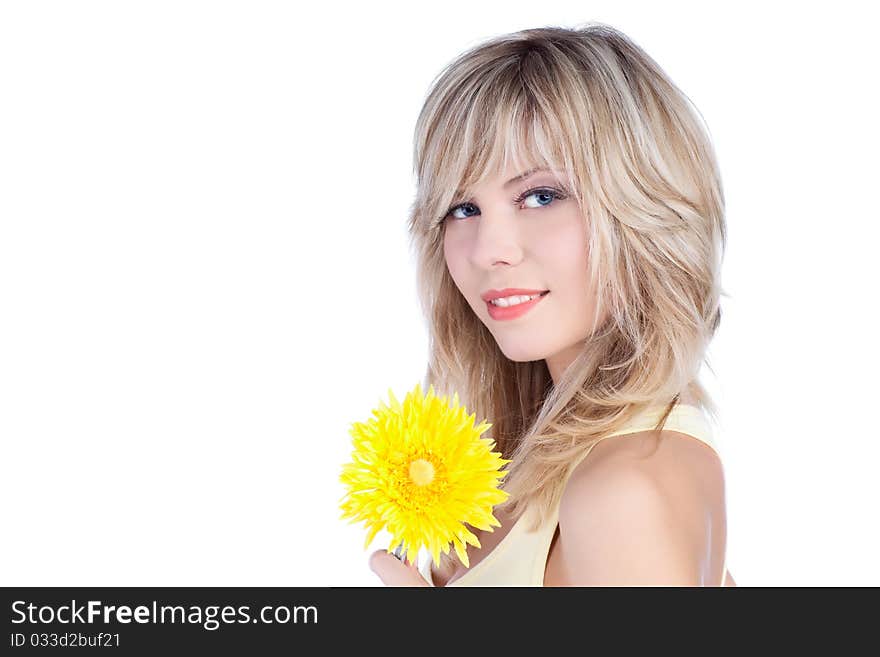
{"points": [[591, 103]]}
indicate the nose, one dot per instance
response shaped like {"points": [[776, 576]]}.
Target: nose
{"points": [[497, 240]]}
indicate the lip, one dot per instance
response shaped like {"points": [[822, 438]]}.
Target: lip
{"points": [[488, 295], [512, 312]]}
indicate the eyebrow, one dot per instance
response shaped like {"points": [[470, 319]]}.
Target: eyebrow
{"points": [[524, 175]]}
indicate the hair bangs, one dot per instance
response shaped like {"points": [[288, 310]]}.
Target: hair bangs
{"points": [[493, 139]]}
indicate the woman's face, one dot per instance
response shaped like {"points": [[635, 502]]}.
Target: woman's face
{"points": [[525, 233]]}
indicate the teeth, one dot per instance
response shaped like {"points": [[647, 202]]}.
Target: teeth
{"points": [[512, 301]]}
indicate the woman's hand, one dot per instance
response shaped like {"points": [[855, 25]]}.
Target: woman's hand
{"points": [[393, 572]]}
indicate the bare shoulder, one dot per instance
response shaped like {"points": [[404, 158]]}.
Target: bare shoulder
{"points": [[641, 512]]}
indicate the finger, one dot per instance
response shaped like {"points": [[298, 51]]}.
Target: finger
{"points": [[393, 572]]}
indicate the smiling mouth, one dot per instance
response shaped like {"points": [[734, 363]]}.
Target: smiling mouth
{"points": [[534, 298], [504, 313]]}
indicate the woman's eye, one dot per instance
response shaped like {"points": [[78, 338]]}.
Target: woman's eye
{"points": [[547, 195], [458, 208], [543, 198]]}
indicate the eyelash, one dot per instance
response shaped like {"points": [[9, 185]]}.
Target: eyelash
{"points": [[555, 193]]}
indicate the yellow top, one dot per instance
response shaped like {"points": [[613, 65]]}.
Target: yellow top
{"points": [[521, 557]]}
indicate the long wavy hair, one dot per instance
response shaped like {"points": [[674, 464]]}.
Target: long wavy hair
{"points": [[591, 103]]}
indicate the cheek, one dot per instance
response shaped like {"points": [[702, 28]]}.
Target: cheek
{"points": [[453, 261], [568, 256], [453, 249]]}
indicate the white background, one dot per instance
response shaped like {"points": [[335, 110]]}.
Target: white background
{"points": [[204, 275]]}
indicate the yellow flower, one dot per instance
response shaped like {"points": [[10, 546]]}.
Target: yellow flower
{"points": [[420, 471]]}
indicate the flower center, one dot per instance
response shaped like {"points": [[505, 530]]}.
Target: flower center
{"points": [[421, 472]]}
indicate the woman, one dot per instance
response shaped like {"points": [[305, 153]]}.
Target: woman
{"points": [[561, 171]]}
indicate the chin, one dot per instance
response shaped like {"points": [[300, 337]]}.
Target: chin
{"points": [[521, 355]]}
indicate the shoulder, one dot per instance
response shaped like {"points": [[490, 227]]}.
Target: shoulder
{"points": [[641, 512]]}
